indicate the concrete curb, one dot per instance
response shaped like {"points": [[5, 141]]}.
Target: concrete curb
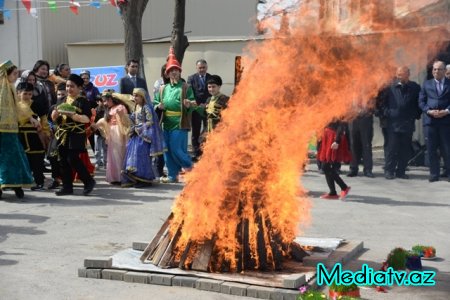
{"points": [[101, 268]]}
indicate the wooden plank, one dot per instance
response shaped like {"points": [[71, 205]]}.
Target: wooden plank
{"points": [[161, 249], [203, 256], [184, 255], [166, 257], [297, 252], [261, 244], [152, 245]]}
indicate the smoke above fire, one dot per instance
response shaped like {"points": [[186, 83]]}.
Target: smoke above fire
{"points": [[294, 83]]}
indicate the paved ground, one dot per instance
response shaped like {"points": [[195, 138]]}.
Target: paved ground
{"points": [[44, 239]]}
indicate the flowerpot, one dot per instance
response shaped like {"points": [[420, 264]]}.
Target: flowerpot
{"points": [[414, 263], [334, 295]]}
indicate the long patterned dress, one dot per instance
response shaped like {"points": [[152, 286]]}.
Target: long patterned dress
{"points": [[14, 167], [145, 142], [116, 140]]}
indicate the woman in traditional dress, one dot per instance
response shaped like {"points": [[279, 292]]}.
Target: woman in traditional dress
{"points": [[71, 137], [15, 170], [333, 151], [145, 143], [115, 127]]}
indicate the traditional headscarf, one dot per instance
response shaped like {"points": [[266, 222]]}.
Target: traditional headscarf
{"points": [[8, 111], [141, 92]]}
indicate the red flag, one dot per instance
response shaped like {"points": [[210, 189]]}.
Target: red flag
{"points": [[113, 2], [74, 7], [27, 4]]}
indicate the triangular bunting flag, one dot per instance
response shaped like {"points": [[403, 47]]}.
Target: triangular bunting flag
{"points": [[74, 7], [52, 5], [34, 13], [7, 14], [113, 2], [27, 4], [95, 4]]}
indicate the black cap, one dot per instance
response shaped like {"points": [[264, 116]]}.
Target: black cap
{"points": [[76, 79], [214, 79], [25, 86]]}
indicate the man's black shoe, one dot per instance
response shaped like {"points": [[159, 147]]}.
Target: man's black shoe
{"points": [[369, 174], [389, 176], [352, 174], [403, 176], [63, 192], [89, 187], [38, 187], [19, 193], [433, 179]]}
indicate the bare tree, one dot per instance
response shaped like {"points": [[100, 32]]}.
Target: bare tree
{"points": [[179, 40], [132, 12]]}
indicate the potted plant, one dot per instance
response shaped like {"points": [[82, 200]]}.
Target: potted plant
{"points": [[428, 252], [397, 259], [339, 291], [413, 261]]}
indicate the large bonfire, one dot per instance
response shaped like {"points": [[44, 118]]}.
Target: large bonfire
{"points": [[243, 203]]}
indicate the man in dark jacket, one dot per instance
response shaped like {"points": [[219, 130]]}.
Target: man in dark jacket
{"points": [[131, 80], [434, 101], [400, 109], [198, 82]]}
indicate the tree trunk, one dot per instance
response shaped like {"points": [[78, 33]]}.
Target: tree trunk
{"points": [[132, 12], [179, 40]]}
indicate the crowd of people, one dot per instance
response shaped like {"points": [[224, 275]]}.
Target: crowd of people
{"points": [[50, 117], [135, 135], [398, 105]]}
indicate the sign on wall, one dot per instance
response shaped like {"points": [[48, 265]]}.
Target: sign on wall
{"points": [[104, 77]]}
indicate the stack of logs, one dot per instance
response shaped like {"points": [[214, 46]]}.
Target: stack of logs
{"points": [[163, 252]]}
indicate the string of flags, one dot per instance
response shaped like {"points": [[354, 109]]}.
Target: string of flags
{"points": [[54, 5]]}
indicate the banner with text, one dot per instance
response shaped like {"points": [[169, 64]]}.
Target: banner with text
{"points": [[104, 77]]}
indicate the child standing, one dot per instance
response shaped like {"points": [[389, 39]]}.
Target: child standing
{"points": [[100, 143], [145, 142], [29, 128], [334, 150], [216, 103]]}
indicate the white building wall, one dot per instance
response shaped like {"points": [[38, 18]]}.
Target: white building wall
{"points": [[20, 37]]}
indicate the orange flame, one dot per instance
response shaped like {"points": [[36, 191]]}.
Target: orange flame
{"points": [[293, 85]]}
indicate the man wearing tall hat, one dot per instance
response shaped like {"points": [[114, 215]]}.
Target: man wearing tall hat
{"points": [[176, 100]]}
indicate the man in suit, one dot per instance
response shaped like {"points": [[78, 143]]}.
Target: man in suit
{"points": [[198, 83], [131, 80], [434, 101], [399, 109]]}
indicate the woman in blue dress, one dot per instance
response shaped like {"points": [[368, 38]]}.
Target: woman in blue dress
{"points": [[15, 170], [146, 141]]}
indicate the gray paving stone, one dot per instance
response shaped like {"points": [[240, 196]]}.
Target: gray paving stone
{"points": [[260, 292], [344, 253], [294, 281], [136, 277], [140, 246], [82, 272], [186, 281], [284, 294], [161, 279], [233, 288], [98, 262], [94, 273], [209, 285], [113, 274]]}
